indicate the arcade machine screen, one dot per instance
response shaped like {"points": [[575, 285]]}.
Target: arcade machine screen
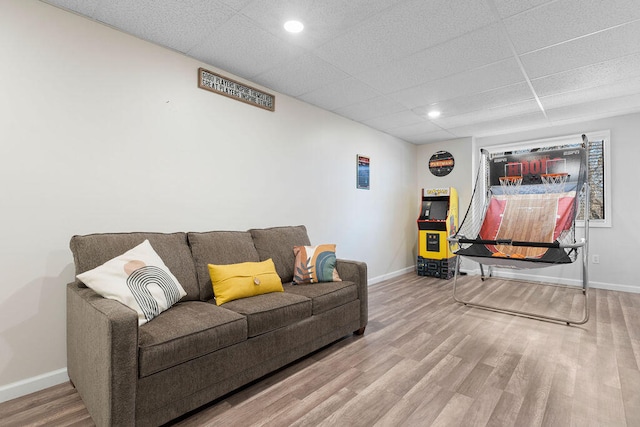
{"points": [[435, 210]]}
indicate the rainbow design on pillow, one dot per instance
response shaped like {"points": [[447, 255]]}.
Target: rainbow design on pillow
{"points": [[315, 264]]}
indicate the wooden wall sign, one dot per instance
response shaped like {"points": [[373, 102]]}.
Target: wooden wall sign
{"points": [[230, 88]]}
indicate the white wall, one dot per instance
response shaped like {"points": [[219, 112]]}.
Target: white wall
{"points": [[103, 132], [461, 177], [617, 245]]}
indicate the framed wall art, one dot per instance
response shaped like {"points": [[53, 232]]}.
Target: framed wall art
{"points": [[362, 174]]}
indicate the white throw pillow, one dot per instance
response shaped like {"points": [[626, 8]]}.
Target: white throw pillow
{"points": [[138, 279]]}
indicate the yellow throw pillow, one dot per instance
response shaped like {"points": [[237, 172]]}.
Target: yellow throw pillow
{"points": [[246, 279]]}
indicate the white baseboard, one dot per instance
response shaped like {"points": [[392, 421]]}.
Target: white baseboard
{"points": [[615, 287], [562, 281], [33, 384], [508, 274], [391, 275]]}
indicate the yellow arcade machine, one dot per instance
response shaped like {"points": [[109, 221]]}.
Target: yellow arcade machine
{"points": [[437, 221]]}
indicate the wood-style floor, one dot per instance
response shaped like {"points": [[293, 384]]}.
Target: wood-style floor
{"points": [[426, 360]]}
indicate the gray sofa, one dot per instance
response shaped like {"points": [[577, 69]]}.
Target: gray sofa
{"points": [[197, 351]]}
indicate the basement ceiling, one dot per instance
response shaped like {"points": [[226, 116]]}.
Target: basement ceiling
{"points": [[489, 66]]}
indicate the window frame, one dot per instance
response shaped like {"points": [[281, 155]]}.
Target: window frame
{"points": [[603, 135]]}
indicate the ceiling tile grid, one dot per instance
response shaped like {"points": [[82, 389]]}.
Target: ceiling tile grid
{"points": [[507, 8], [370, 109], [324, 19], [177, 25], [591, 95], [492, 76], [395, 120], [408, 27], [518, 123], [593, 110], [438, 136], [385, 63], [301, 75], [340, 94], [259, 52], [564, 20], [604, 73], [471, 50], [602, 46], [488, 114]]}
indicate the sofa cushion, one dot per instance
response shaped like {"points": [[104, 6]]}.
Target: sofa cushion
{"points": [[92, 250], [243, 280], [269, 312], [277, 243], [188, 330], [325, 296], [219, 247], [314, 264], [138, 279]]}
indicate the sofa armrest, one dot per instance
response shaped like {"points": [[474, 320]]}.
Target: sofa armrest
{"points": [[102, 355], [356, 271]]}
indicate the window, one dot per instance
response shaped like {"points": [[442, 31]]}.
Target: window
{"points": [[598, 164]]}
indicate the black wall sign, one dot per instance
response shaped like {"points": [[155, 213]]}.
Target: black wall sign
{"points": [[441, 163]]}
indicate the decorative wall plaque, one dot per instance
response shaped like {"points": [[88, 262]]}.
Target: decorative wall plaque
{"points": [[230, 88], [441, 163]]}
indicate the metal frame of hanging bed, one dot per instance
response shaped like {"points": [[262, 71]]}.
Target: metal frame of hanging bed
{"points": [[582, 245]]}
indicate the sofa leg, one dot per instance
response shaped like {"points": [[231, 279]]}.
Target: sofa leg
{"points": [[360, 331], [72, 384]]}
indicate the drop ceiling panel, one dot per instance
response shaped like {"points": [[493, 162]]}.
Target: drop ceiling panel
{"points": [[595, 75], [178, 25], [403, 29], [603, 108], [471, 50], [323, 20], [421, 128], [371, 108], [340, 94], [234, 4], [505, 125], [489, 114], [395, 120], [563, 20], [508, 8], [83, 7], [602, 46], [427, 138], [240, 47], [592, 95], [499, 97], [302, 75], [469, 82]]}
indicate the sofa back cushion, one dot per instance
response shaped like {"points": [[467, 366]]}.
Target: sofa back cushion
{"points": [[220, 248], [277, 243], [92, 250]]}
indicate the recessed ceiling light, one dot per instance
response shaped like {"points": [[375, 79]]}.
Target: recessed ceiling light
{"points": [[293, 26], [434, 114]]}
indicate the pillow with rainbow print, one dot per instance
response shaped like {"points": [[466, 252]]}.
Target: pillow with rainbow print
{"points": [[315, 264]]}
